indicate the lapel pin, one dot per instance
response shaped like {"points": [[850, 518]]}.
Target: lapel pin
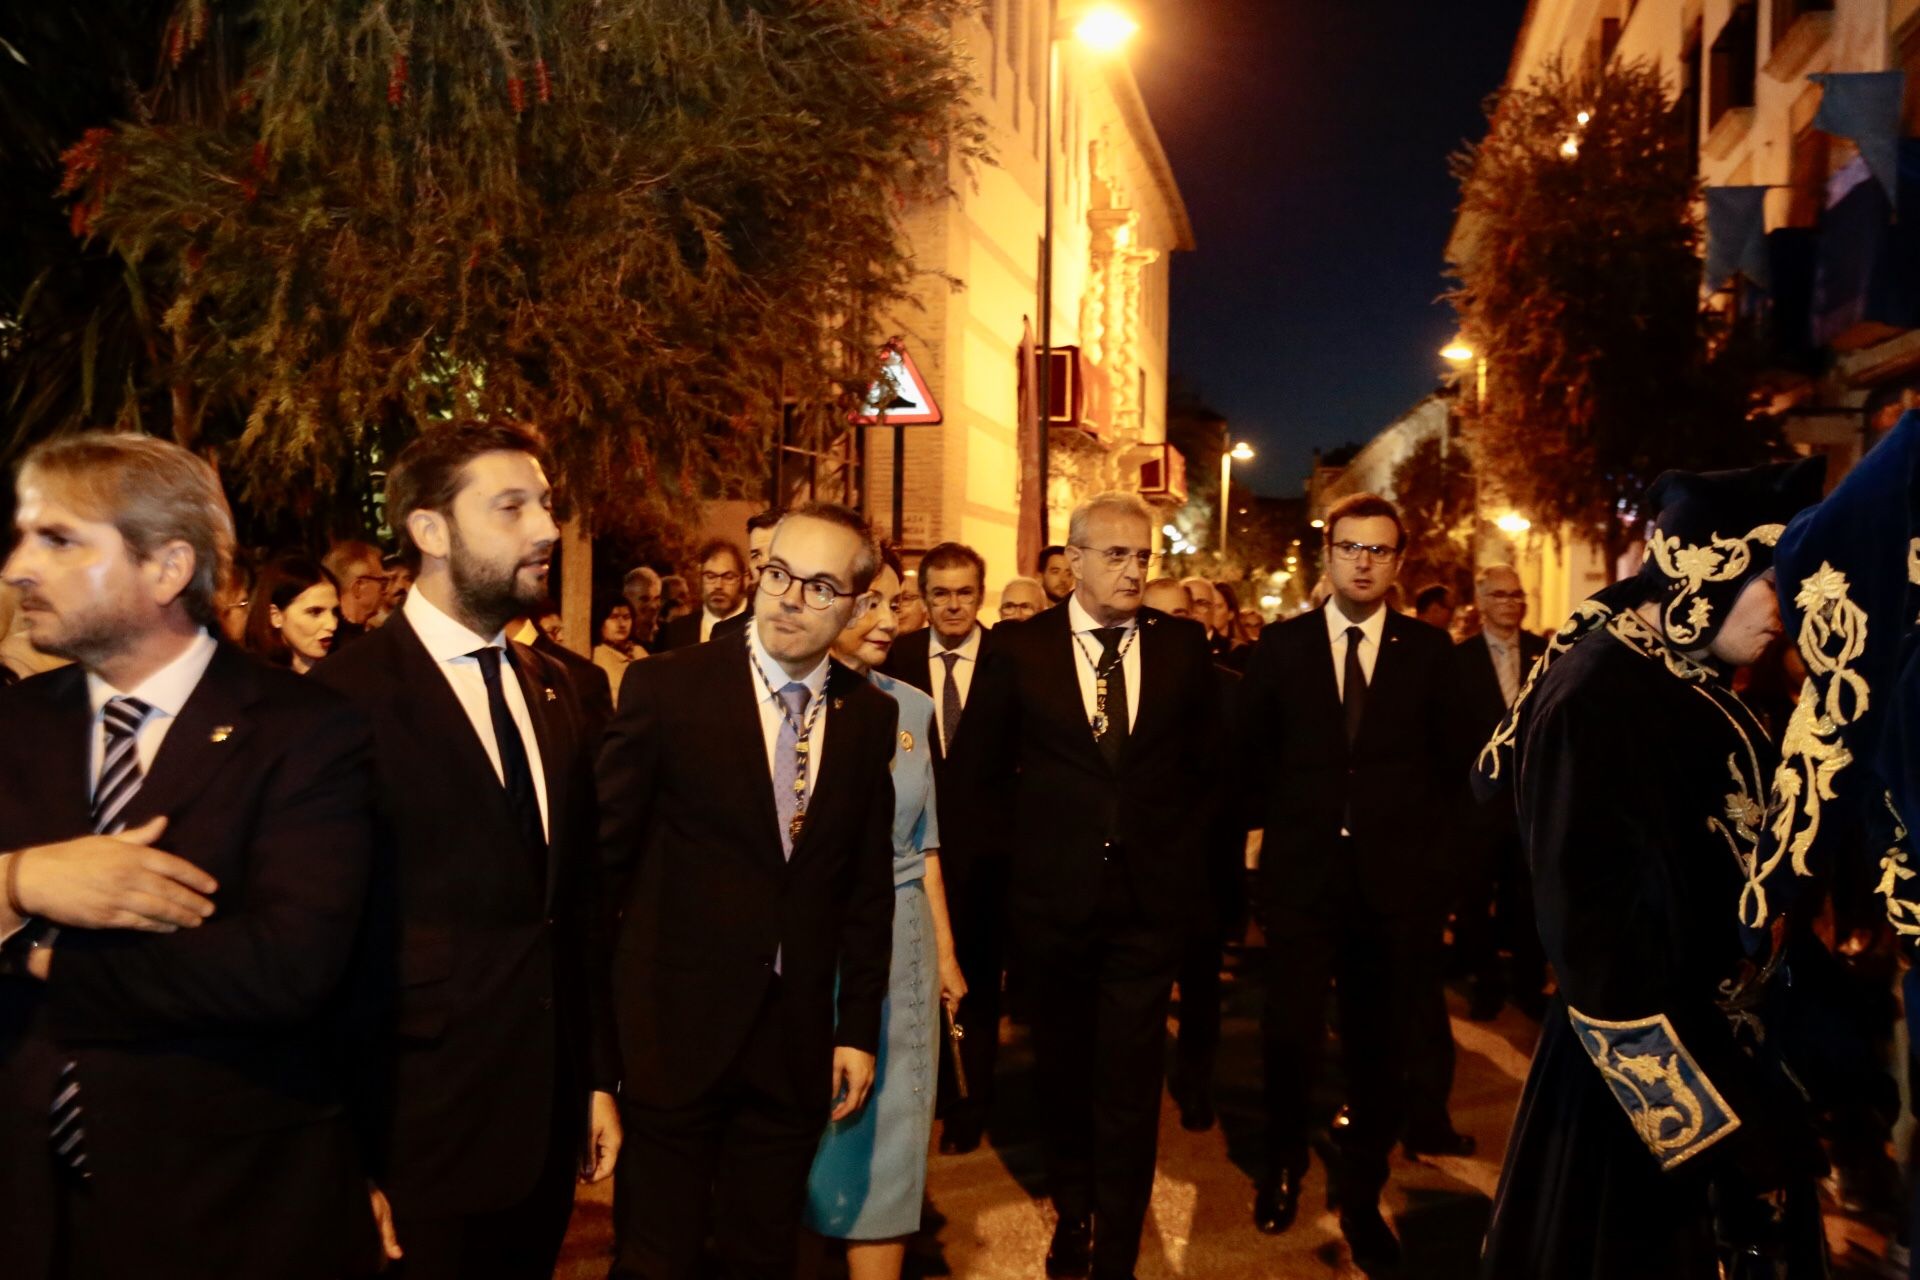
{"points": [[906, 740], [839, 703], [222, 732], [552, 696]]}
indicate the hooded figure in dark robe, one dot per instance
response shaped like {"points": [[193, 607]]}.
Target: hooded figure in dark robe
{"points": [[1659, 1134]]}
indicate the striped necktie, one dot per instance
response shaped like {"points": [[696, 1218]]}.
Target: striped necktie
{"points": [[120, 779]]}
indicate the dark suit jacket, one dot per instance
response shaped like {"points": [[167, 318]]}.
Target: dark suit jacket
{"points": [[590, 682], [729, 628], [911, 659], [691, 845], [1026, 754], [210, 1060], [1481, 700], [1400, 786], [492, 960], [961, 812], [684, 633]]}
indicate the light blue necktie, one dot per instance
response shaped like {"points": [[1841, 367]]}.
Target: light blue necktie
{"points": [[789, 769]]}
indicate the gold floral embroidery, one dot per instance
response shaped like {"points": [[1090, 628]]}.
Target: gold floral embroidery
{"points": [[1671, 1104], [1632, 630], [1833, 635], [1688, 613], [1740, 825], [1913, 561], [1896, 867], [1586, 616]]}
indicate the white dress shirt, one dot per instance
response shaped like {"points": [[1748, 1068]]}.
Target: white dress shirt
{"points": [[1371, 629], [451, 644], [969, 651], [772, 713], [708, 619], [166, 691], [1083, 626]]}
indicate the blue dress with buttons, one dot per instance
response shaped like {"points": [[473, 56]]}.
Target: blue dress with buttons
{"points": [[869, 1176]]}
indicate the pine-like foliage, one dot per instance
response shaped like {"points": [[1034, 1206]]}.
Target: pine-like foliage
{"points": [[632, 222], [1579, 269]]}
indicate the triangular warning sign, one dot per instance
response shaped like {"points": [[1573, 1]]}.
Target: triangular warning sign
{"points": [[901, 393]]}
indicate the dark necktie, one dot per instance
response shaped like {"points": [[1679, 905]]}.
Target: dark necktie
{"points": [[518, 774], [119, 782], [949, 705], [1112, 671], [1354, 694]]}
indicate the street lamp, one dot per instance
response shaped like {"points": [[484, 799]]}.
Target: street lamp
{"points": [[1513, 524], [1103, 29], [1241, 452]]}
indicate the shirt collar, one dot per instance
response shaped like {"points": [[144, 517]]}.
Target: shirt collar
{"points": [[1338, 622], [968, 649], [167, 689], [1496, 644], [775, 676], [444, 638], [723, 617], [1081, 622]]}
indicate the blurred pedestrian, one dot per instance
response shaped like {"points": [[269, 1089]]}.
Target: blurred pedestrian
{"points": [[1056, 574], [723, 593], [614, 650], [1433, 605], [641, 588], [186, 839], [1020, 599], [294, 613], [911, 608], [360, 571]]}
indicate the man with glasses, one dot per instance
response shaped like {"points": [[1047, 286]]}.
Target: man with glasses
{"points": [[360, 570], [722, 584], [940, 661], [1493, 666], [1092, 736], [1350, 731], [1021, 598], [755, 924], [760, 527]]}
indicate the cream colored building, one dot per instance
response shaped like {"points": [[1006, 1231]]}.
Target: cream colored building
{"points": [[1118, 219]]}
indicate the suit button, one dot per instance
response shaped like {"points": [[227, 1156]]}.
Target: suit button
{"points": [[549, 922]]}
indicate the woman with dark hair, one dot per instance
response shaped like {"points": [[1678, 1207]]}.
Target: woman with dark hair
{"points": [[294, 613], [613, 647]]}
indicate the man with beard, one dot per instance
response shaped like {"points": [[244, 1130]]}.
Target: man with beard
{"points": [[171, 1075], [492, 1085], [1056, 574], [746, 825], [723, 586], [760, 527]]}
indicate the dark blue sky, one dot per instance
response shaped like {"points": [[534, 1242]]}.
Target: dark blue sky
{"points": [[1310, 139]]}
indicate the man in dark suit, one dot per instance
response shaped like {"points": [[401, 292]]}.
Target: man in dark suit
{"points": [[171, 1069], [723, 582], [760, 527], [1350, 730], [1496, 907], [746, 828], [940, 660], [1091, 735], [497, 1069]]}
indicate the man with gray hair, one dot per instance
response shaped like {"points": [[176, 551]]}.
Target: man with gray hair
{"points": [[360, 569], [185, 842], [1100, 777], [1021, 598], [641, 587]]}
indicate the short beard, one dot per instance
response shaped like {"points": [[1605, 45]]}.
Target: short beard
{"points": [[486, 593]]}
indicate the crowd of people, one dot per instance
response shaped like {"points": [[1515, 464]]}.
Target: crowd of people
{"points": [[351, 918]]}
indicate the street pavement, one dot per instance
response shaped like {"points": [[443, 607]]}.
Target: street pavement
{"points": [[988, 1218]]}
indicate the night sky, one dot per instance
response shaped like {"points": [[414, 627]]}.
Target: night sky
{"points": [[1310, 139]]}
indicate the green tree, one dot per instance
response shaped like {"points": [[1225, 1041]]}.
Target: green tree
{"points": [[640, 224], [1578, 261], [1436, 495]]}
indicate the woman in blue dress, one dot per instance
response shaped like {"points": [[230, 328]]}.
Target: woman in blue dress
{"points": [[869, 1177]]}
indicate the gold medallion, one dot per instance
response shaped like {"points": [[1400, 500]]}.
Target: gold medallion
{"points": [[222, 732], [906, 740]]}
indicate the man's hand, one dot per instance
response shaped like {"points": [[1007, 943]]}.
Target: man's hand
{"points": [[383, 1218], [852, 1081], [603, 1139], [113, 882], [40, 962]]}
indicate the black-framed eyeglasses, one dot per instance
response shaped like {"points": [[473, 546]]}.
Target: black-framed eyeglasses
{"points": [[715, 579], [951, 595], [1372, 550], [1507, 597], [817, 592], [1117, 557]]}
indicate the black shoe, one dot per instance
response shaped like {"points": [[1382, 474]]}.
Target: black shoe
{"points": [[1483, 1003], [1275, 1202], [960, 1134], [1070, 1256], [1442, 1142], [1196, 1111], [1375, 1249]]}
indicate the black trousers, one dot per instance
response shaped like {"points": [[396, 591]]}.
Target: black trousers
{"points": [[1494, 912], [1374, 962], [732, 1163], [1431, 1058], [519, 1242], [977, 904], [1198, 1043], [1100, 997]]}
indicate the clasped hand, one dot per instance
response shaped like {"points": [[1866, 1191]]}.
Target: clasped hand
{"points": [[112, 882]]}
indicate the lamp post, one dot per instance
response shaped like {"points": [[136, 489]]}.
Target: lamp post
{"points": [[1242, 452], [1105, 29]]}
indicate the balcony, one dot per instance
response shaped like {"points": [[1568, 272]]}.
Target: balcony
{"points": [[1867, 281], [1800, 28]]}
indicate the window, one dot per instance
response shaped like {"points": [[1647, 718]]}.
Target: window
{"points": [[1687, 107], [1735, 63]]}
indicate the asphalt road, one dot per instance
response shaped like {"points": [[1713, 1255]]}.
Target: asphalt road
{"points": [[988, 1218]]}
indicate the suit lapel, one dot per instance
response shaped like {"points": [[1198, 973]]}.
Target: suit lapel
{"points": [[837, 761], [67, 751], [1154, 690], [1062, 675], [426, 703], [1322, 685], [542, 705], [211, 729], [1387, 676], [737, 710]]}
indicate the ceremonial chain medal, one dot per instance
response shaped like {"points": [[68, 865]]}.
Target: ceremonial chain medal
{"points": [[803, 741], [1098, 723]]}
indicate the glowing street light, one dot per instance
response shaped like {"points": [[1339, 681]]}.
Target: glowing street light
{"points": [[1106, 29], [1513, 524], [1456, 352], [1241, 452], [1317, 524]]}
